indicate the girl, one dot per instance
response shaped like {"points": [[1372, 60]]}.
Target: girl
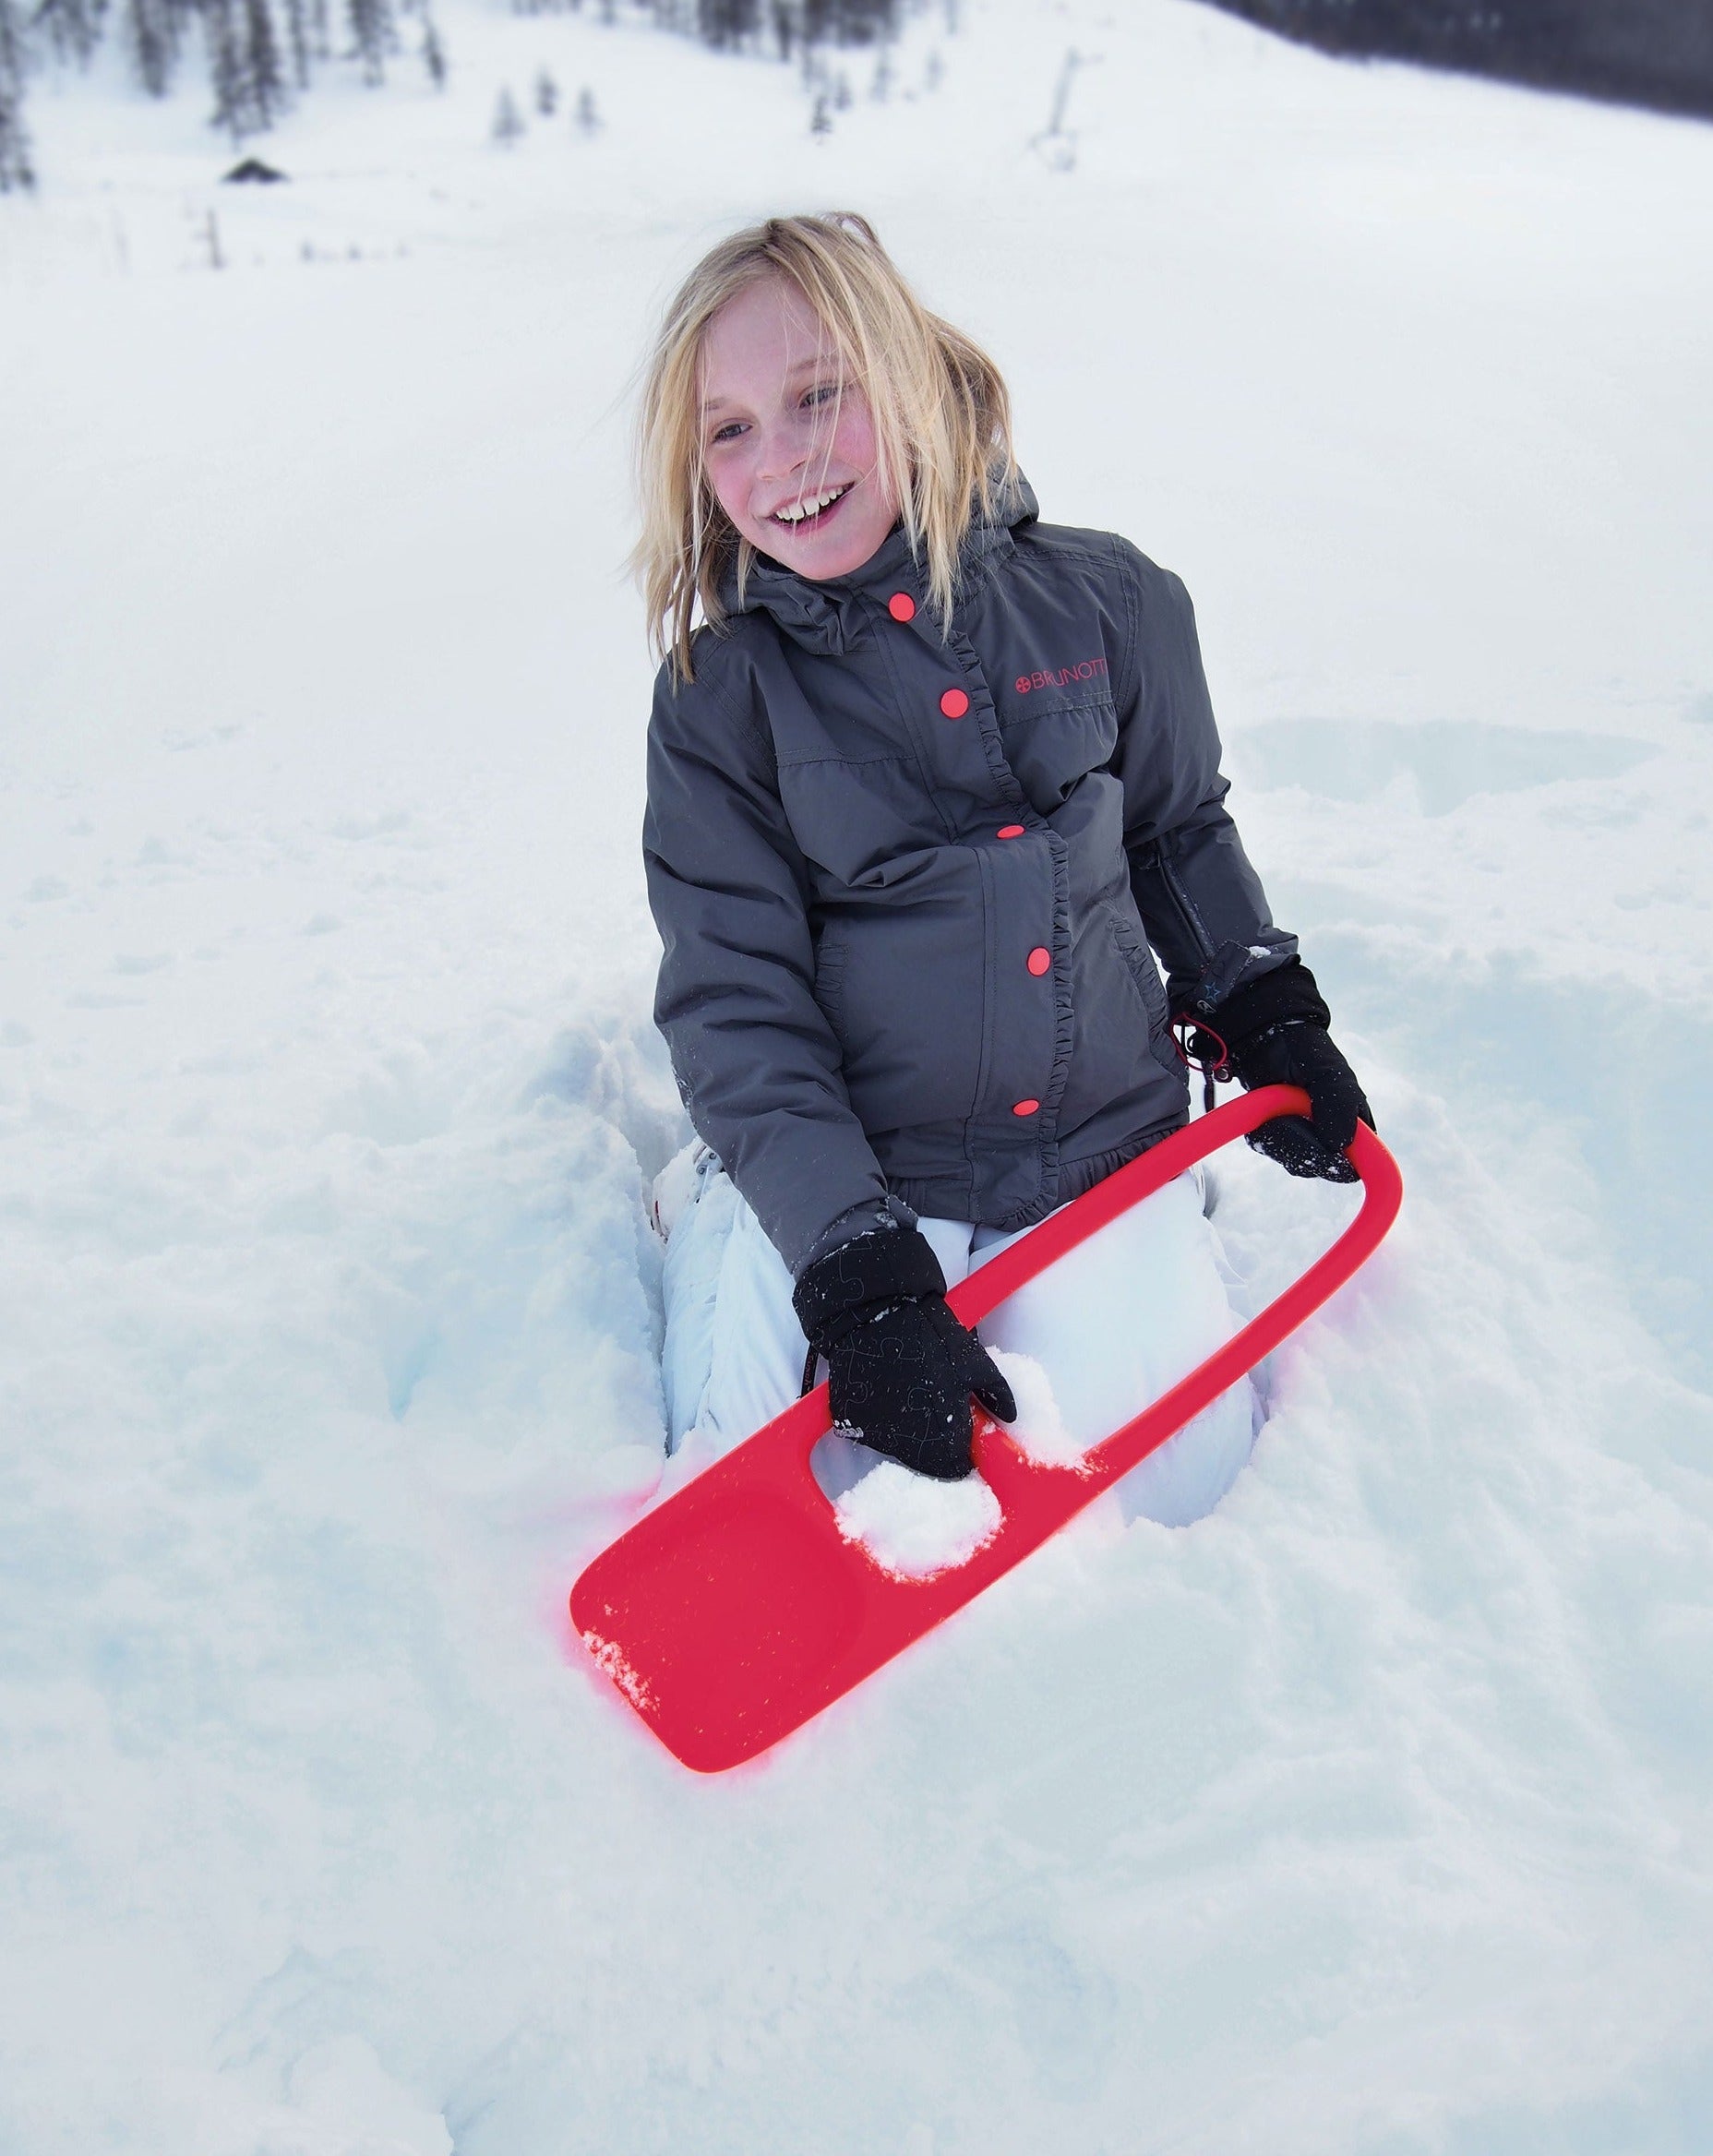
{"points": [[924, 787]]}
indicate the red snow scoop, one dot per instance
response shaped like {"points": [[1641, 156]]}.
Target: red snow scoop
{"points": [[736, 1610]]}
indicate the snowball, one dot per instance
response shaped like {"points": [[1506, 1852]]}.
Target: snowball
{"points": [[913, 1526]]}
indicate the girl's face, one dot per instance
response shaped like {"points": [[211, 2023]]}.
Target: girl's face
{"points": [[789, 442]]}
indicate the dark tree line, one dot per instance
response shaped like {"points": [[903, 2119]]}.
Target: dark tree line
{"points": [[14, 167], [780, 27], [1657, 52], [261, 53], [788, 25]]}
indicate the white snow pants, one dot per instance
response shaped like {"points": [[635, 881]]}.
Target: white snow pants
{"points": [[1113, 1323]]}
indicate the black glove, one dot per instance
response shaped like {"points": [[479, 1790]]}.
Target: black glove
{"points": [[902, 1367], [1272, 1032]]}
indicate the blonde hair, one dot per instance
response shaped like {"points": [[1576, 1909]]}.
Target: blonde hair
{"points": [[941, 415]]}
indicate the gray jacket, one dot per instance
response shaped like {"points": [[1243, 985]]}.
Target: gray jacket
{"points": [[907, 884]]}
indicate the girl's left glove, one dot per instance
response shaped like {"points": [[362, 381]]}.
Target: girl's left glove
{"points": [[902, 1367], [1273, 1033]]}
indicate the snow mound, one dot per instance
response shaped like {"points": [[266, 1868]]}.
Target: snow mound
{"points": [[1039, 1432], [913, 1527], [344, 2102]]}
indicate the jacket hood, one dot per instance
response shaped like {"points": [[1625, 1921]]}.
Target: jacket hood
{"points": [[835, 617]]}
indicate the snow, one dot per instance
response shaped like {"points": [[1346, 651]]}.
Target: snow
{"points": [[1039, 1432], [1370, 1815], [913, 1528]]}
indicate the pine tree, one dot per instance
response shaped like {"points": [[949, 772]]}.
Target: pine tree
{"points": [[588, 119], [297, 36], [726, 24], [244, 57], [226, 68], [16, 170], [266, 81], [846, 23], [73, 27], [371, 32], [547, 95], [508, 121], [434, 52], [151, 29]]}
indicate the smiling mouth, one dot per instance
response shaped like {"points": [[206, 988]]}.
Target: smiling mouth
{"points": [[808, 511]]}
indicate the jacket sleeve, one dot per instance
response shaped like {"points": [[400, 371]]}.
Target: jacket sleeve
{"points": [[756, 1061], [1200, 901]]}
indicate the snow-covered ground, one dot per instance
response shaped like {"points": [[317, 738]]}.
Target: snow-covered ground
{"points": [[1369, 1817]]}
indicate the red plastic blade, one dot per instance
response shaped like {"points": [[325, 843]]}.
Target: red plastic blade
{"points": [[736, 1610]]}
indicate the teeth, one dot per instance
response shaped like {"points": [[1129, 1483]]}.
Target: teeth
{"points": [[798, 510]]}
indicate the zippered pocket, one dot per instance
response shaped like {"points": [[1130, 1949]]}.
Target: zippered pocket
{"points": [[1139, 963]]}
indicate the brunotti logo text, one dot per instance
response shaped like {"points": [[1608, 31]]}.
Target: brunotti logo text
{"points": [[1061, 677]]}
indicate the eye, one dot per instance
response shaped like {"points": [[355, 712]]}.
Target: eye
{"points": [[824, 393], [729, 432]]}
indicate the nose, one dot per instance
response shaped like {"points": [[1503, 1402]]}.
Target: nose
{"points": [[784, 450]]}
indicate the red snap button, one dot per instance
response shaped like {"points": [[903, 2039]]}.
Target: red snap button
{"points": [[901, 606], [1040, 958], [1026, 1107], [1011, 831], [955, 703]]}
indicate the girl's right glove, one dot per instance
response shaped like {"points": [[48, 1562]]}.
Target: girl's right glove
{"points": [[1273, 1033], [902, 1367]]}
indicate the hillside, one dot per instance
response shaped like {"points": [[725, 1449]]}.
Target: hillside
{"points": [[1367, 1816]]}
